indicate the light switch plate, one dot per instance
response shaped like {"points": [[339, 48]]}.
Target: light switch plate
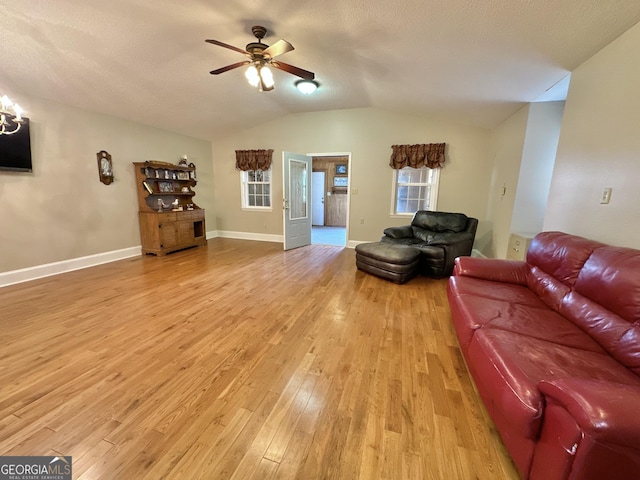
{"points": [[606, 195]]}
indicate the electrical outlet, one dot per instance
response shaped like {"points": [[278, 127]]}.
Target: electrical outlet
{"points": [[606, 195]]}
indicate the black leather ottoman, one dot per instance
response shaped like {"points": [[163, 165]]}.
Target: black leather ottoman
{"points": [[397, 263]]}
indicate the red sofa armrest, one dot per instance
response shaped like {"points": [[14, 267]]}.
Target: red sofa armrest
{"points": [[590, 431], [496, 270], [606, 411]]}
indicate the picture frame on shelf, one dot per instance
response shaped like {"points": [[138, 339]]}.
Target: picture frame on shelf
{"points": [[165, 187], [183, 175], [341, 169]]}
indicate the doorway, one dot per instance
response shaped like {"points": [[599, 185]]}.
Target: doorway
{"points": [[317, 198], [330, 198]]}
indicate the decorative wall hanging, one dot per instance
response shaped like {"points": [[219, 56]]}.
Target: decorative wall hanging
{"points": [[105, 167], [417, 156], [340, 181]]}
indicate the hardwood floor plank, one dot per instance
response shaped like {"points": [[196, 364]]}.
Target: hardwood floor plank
{"points": [[241, 361]]}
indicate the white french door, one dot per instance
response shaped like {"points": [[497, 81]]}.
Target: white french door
{"points": [[297, 200]]}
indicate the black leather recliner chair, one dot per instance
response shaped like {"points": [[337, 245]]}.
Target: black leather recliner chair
{"points": [[440, 237]]}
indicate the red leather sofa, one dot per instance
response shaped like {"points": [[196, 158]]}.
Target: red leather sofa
{"points": [[553, 346]]}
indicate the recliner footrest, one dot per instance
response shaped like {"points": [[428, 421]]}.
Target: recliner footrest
{"points": [[397, 263]]}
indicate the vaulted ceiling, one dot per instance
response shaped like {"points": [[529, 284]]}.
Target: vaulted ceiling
{"points": [[470, 61]]}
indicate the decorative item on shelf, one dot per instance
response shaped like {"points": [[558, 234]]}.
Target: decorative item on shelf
{"points": [[189, 206], [185, 189], [157, 173], [10, 117], [161, 205], [165, 187], [183, 175], [147, 187], [192, 173], [167, 175], [175, 206], [341, 169], [105, 167], [183, 160]]}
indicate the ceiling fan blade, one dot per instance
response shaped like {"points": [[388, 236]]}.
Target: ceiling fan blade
{"points": [[229, 67], [278, 48], [225, 45], [294, 70]]}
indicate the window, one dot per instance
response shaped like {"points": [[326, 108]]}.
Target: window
{"points": [[415, 189], [256, 189]]}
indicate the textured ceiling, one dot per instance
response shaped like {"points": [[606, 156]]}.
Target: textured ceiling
{"points": [[471, 61]]}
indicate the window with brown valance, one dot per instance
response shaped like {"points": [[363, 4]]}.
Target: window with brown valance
{"points": [[253, 159], [417, 156]]}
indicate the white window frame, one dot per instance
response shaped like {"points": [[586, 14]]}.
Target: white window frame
{"points": [[433, 195], [244, 191]]}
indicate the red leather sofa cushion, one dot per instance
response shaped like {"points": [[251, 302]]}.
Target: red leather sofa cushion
{"points": [[539, 322], [611, 278], [618, 337], [561, 255]]}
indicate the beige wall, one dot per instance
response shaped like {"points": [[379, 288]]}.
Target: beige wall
{"points": [[368, 135], [536, 168], [507, 145], [61, 211], [524, 150], [600, 147]]}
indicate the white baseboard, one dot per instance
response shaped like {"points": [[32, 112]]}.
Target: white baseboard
{"points": [[56, 268], [261, 237], [41, 271]]}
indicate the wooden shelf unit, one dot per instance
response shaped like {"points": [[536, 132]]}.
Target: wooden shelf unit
{"points": [[169, 218]]}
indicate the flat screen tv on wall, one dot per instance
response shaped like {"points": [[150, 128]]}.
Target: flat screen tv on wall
{"points": [[15, 150]]}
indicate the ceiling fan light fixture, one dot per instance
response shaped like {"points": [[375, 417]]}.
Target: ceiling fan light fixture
{"points": [[267, 77], [307, 86], [252, 76]]}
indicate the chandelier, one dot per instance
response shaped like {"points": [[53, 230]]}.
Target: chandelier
{"points": [[10, 117]]}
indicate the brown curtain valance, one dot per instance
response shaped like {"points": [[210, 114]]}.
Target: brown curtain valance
{"points": [[417, 156], [253, 159]]}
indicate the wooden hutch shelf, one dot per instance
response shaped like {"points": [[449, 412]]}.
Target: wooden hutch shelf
{"points": [[169, 219]]}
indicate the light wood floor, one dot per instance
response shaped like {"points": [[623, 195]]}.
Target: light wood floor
{"points": [[241, 361]]}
